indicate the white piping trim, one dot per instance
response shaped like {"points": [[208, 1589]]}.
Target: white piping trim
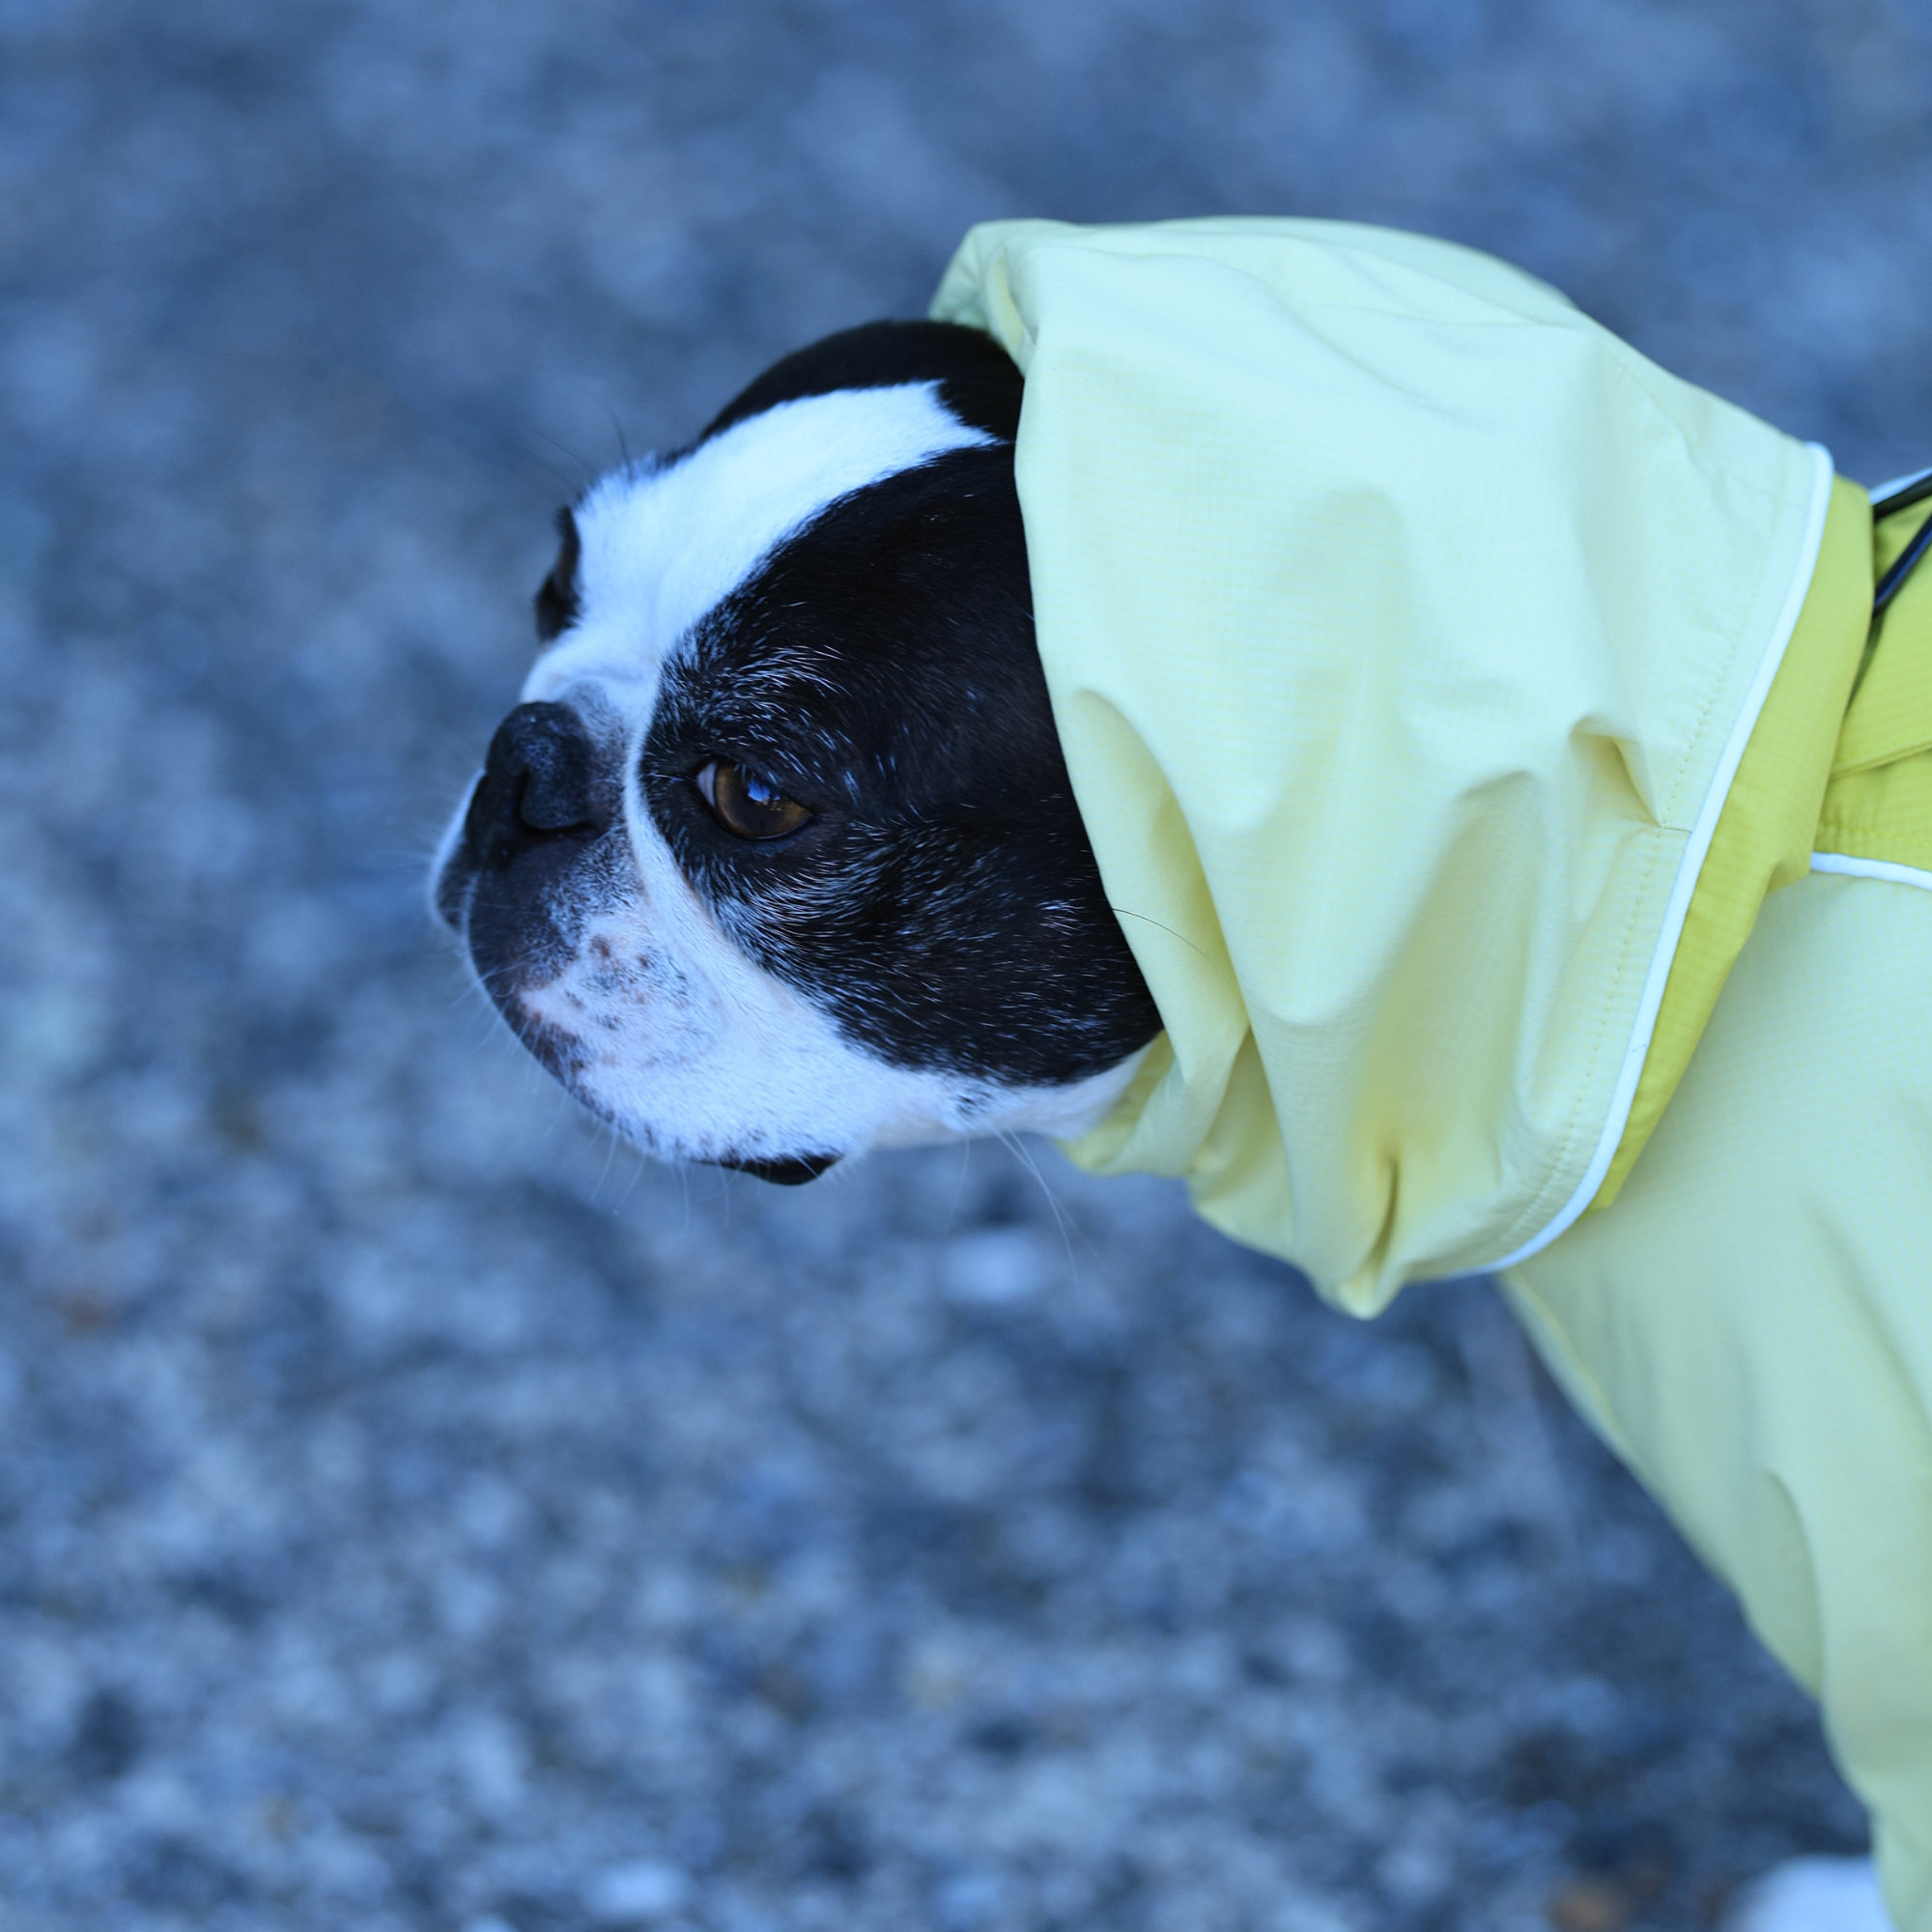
{"points": [[1690, 864], [1879, 492], [1871, 868]]}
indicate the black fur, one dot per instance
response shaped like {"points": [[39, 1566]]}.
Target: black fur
{"points": [[943, 904], [975, 377]]}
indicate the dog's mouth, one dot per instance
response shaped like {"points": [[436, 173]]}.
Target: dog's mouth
{"points": [[792, 1172]]}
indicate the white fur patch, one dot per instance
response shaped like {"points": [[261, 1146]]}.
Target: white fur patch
{"points": [[695, 1053], [663, 546], [662, 1024]]}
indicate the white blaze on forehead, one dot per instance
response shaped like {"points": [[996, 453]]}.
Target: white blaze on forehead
{"points": [[662, 547]]}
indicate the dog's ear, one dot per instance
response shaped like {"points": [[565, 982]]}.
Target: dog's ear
{"points": [[556, 601]]}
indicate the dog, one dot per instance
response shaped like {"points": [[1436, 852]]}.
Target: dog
{"points": [[779, 860]]}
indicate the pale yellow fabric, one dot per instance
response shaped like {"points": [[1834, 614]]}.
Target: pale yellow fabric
{"points": [[1766, 833], [1878, 802], [1750, 1325], [1397, 620]]}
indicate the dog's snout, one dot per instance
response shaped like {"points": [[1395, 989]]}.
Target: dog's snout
{"points": [[540, 784]]}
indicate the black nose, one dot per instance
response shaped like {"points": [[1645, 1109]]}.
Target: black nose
{"points": [[540, 786]]}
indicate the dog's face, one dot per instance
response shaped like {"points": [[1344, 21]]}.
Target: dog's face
{"points": [[778, 859]]}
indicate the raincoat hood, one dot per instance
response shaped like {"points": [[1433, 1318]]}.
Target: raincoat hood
{"points": [[1405, 631]]}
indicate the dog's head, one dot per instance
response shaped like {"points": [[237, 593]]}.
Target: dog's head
{"points": [[778, 859]]}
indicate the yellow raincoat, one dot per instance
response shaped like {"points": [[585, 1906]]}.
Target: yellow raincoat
{"points": [[1445, 689]]}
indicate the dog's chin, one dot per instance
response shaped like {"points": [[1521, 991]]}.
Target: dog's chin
{"points": [[563, 1056], [781, 1169]]}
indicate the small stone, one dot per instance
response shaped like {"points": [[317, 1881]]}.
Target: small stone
{"points": [[637, 1892], [994, 1267], [1589, 1905], [1841, 1894]]}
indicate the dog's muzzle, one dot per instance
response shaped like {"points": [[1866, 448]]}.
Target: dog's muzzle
{"points": [[540, 791]]}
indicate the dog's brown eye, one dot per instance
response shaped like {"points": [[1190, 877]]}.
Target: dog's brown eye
{"points": [[748, 805]]}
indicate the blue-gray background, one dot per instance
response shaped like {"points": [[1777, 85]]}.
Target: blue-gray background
{"points": [[415, 1512]]}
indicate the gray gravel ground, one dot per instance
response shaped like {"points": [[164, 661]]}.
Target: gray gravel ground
{"points": [[415, 1512]]}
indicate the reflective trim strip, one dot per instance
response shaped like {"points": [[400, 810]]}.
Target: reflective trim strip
{"points": [[1690, 865], [1898, 483], [1871, 868]]}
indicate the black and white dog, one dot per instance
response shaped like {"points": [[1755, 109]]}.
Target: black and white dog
{"points": [[778, 860]]}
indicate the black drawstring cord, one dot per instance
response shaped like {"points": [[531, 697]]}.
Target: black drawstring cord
{"points": [[1894, 580]]}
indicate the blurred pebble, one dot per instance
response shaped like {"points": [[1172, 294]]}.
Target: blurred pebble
{"points": [[994, 1266], [637, 1893]]}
